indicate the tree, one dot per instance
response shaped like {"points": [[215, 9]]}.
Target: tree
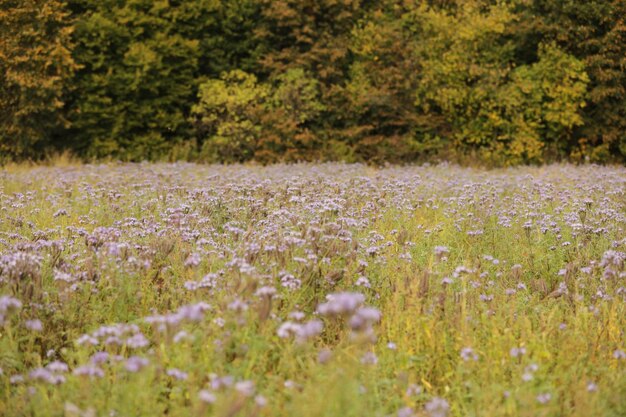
{"points": [[227, 117], [289, 119], [35, 66], [313, 36], [239, 118], [381, 120], [505, 113], [595, 33], [137, 79]]}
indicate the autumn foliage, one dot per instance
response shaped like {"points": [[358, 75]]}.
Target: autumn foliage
{"points": [[501, 83]]}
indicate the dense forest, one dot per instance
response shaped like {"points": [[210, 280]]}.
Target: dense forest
{"points": [[500, 82]]}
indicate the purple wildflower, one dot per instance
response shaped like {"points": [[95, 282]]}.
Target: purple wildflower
{"points": [[91, 371], [341, 303], [177, 374], [136, 363], [437, 407]]}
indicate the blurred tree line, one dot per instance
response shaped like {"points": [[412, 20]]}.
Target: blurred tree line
{"points": [[501, 82]]}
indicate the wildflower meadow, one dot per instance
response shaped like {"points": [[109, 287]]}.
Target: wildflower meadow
{"points": [[327, 289]]}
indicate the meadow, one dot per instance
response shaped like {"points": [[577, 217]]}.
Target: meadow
{"points": [[312, 290]]}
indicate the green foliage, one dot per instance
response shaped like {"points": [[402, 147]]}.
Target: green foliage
{"points": [[424, 76], [379, 94], [309, 34], [505, 113], [463, 65], [224, 30], [358, 80], [227, 116], [595, 33], [313, 36], [239, 118], [142, 62], [298, 94], [136, 81], [549, 97], [35, 66], [290, 118]]}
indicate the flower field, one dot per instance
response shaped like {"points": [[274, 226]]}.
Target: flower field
{"points": [[312, 290]]}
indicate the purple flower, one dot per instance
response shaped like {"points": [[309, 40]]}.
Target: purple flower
{"points": [[91, 371], [181, 336], [369, 358], [137, 341], [266, 291], [364, 317], [221, 382], [297, 315], [40, 374], [405, 412], [87, 339], [16, 379], [246, 388], [46, 375], [441, 253], [57, 366], [363, 282], [303, 332], [99, 357], [136, 363], [468, 354], [238, 305], [309, 330], [324, 355], [8, 305], [517, 352], [34, 325], [260, 401], [341, 303], [437, 407], [207, 396], [60, 212], [289, 281], [486, 298], [191, 313], [193, 260], [414, 390], [544, 398], [177, 374]]}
